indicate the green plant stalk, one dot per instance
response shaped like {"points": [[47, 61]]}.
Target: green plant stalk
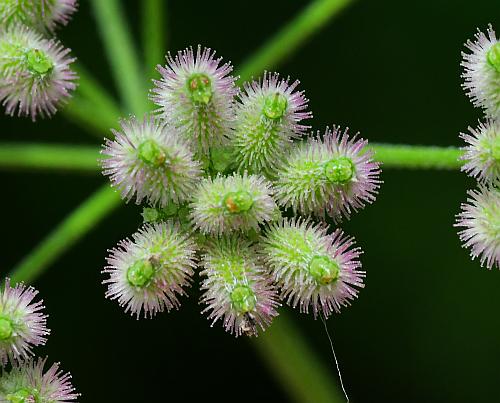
{"points": [[297, 31], [96, 121], [49, 157], [417, 157], [70, 230], [84, 158], [302, 375], [122, 55], [153, 33]]}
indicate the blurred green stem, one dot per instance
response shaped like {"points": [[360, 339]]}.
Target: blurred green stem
{"points": [[84, 158], [303, 376], [74, 226], [315, 16], [119, 46], [52, 157], [153, 33]]}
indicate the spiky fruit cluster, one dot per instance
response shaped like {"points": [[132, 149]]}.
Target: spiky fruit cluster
{"points": [[195, 95], [237, 174], [268, 119], [313, 269], [147, 274], [22, 323], [44, 15], [236, 287], [22, 327], [480, 216], [35, 74], [149, 160], [28, 383], [333, 175]]}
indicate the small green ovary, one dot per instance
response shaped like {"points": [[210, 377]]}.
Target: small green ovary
{"points": [[151, 153], [6, 328], [24, 395], [243, 299], [200, 88], [495, 147], [38, 62], [238, 202], [340, 170], [140, 273], [324, 269], [275, 106], [493, 57]]}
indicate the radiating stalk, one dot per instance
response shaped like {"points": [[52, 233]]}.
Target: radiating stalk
{"points": [[122, 55], [49, 157], [302, 375], [154, 20], [297, 31], [417, 157], [67, 233], [84, 158]]}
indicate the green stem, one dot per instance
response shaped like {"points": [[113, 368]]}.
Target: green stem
{"points": [[84, 158], [96, 121], [154, 33], [74, 226], [122, 54], [303, 376], [315, 16], [417, 157], [50, 157]]}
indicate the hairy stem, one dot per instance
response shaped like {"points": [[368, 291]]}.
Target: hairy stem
{"points": [[70, 230], [303, 376], [315, 16], [153, 33], [122, 55], [417, 157], [84, 158]]}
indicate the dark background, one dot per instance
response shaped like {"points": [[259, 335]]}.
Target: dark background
{"points": [[426, 327]]}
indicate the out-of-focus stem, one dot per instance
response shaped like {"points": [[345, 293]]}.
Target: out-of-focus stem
{"points": [[119, 46], [302, 375], [49, 157], [63, 236], [153, 33], [310, 20]]}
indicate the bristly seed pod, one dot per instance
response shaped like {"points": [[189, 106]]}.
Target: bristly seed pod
{"points": [[331, 176], [196, 95], [267, 120], [313, 269], [482, 72], [236, 202], [149, 161], [148, 273], [22, 323], [27, 383], [42, 15], [35, 74], [237, 289], [480, 218], [482, 153]]}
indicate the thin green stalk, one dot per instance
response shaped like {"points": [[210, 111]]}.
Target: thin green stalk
{"points": [[314, 17], [122, 55], [153, 33], [84, 112], [49, 157], [417, 157], [74, 226], [302, 375], [84, 158]]}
